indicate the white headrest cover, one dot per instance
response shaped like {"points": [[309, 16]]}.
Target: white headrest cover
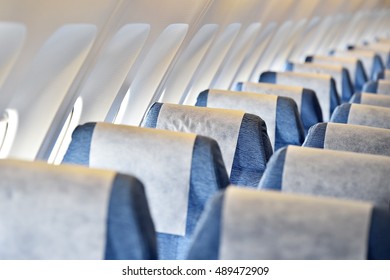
{"points": [[335, 71], [261, 105], [387, 75], [53, 212], [369, 115], [337, 174], [366, 56], [346, 62], [357, 138], [271, 225], [292, 92], [320, 83], [220, 124], [384, 87], [160, 159], [375, 99]]}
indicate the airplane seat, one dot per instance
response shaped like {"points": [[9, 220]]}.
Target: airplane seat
{"points": [[361, 114], [349, 138], [379, 87], [243, 137], [306, 99], [241, 224], [72, 212], [371, 99], [384, 75], [180, 172], [340, 74], [284, 125], [339, 174], [372, 62], [323, 85], [354, 65]]}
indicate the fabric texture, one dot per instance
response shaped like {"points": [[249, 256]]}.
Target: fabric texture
{"points": [[69, 214], [371, 99], [253, 217], [251, 153], [337, 174], [368, 115], [351, 138]]}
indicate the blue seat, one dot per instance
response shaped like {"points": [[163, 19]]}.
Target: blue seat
{"points": [[371, 99], [284, 124], [72, 212], [350, 138], [354, 65], [180, 172], [331, 173], [306, 99], [242, 137], [383, 75], [241, 224], [361, 114], [323, 85], [340, 74], [379, 87], [372, 62]]}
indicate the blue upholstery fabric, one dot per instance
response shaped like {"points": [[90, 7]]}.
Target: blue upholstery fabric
{"points": [[377, 67], [311, 112], [79, 148], [130, 229], [289, 128], [252, 151], [206, 243], [268, 77], [340, 115], [273, 175], [361, 77], [208, 175], [356, 98], [380, 75], [201, 189], [371, 86], [316, 136]]}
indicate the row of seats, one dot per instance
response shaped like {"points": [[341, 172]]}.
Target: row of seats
{"points": [[225, 179]]}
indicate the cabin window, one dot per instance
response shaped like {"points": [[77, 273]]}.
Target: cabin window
{"points": [[8, 127], [143, 89], [65, 137], [201, 80], [187, 64]]}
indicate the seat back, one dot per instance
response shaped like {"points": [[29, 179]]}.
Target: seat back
{"points": [[371, 61], [180, 172], [243, 138], [340, 74], [384, 75], [69, 212], [371, 99], [284, 125], [382, 49], [350, 138], [323, 85], [352, 64], [306, 99], [380, 87], [242, 224], [330, 173], [361, 114]]}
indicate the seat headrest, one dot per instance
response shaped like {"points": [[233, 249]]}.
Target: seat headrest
{"points": [[371, 99], [251, 224], [242, 137], [323, 85], [69, 212], [351, 138], [330, 173]]}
